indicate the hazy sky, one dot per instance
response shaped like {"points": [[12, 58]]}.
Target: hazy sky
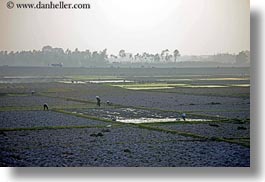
{"points": [[194, 27]]}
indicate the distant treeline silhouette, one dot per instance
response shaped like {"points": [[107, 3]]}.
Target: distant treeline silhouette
{"points": [[50, 56]]}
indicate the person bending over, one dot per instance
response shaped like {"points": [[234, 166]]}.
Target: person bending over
{"points": [[45, 107]]}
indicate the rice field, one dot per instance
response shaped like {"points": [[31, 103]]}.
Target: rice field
{"points": [[138, 123]]}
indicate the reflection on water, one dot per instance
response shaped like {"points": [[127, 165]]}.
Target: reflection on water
{"points": [[69, 81], [174, 79], [148, 88], [110, 81], [168, 86], [95, 81], [157, 120]]}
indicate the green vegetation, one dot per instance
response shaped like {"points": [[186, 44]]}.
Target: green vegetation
{"points": [[203, 92], [240, 85], [141, 86], [14, 94], [225, 79], [161, 86], [151, 86]]}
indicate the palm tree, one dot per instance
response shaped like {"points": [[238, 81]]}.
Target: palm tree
{"points": [[163, 53], [176, 54]]}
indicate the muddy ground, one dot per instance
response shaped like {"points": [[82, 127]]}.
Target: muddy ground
{"points": [[76, 132]]}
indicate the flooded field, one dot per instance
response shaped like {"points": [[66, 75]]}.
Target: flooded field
{"points": [[157, 120], [137, 116], [138, 123]]}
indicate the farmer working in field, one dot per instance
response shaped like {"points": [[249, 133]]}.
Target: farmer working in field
{"points": [[98, 101], [45, 107], [183, 116]]}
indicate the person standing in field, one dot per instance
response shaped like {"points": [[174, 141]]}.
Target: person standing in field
{"points": [[183, 116], [98, 101]]}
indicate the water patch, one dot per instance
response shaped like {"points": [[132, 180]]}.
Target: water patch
{"points": [[128, 109], [151, 86], [148, 88], [94, 81], [110, 81], [174, 79], [73, 82], [157, 120]]}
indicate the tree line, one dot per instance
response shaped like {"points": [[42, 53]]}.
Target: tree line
{"points": [[50, 56]]}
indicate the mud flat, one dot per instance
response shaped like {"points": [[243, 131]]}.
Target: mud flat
{"points": [[76, 132], [212, 129], [108, 144], [31, 119], [124, 146], [26, 100]]}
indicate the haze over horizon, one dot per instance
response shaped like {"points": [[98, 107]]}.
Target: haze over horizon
{"points": [[194, 27]]}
